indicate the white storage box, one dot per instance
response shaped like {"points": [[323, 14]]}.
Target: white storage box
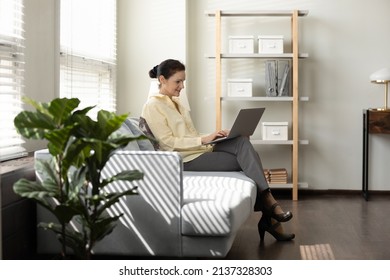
{"points": [[272, 44], [240, 87], [241, 44], [275, 130]]}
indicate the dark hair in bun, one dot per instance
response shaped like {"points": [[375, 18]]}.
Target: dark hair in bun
{"points": [[167, 68], [153, 72]]}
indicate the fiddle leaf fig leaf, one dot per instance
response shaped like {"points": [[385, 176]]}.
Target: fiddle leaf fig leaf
{"points": [[33, 125], [61, 109], [58, 139], [108, 122]]}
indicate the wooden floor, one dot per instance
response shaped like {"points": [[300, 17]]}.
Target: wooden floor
{"points": [[338, 225], [341, 226]]}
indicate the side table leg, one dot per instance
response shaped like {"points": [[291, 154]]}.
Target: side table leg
{"points": [[365, 156]]}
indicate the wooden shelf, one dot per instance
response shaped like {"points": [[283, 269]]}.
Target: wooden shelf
{"points": [[255, 13], [258, 55], [264, 98], [301, 185], [278, 142], [295, 56]]}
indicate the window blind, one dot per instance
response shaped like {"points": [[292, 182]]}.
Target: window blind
{"points": [[11, 76], [88, 52]]}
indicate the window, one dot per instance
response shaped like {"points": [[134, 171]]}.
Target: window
{"points": [[11, 76], [88, 52]]}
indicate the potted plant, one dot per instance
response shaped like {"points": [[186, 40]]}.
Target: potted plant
{"points": [[70, 184]]}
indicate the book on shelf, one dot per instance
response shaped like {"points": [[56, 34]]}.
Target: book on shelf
{"points": [[277, 176], [278, 181], [277, 171]]}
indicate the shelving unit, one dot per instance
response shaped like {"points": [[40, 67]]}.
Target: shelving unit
{"points": [[294, 56]]}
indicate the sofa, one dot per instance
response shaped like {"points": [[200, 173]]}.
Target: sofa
{"points": [[176, 214]]}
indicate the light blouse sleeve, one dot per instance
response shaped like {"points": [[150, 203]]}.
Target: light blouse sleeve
{"points": [[174, 131]]}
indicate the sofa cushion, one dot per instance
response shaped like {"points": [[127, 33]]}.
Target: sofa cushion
{"points": [[125, 130], [144, 127], [220, 217], [144, 144], [215, 203], [205, 184], [130, 128]]}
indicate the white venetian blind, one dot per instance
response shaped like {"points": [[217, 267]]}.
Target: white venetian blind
{"points": [[88, 52], [11, 76]]}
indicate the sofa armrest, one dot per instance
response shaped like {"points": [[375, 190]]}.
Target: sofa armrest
{"points": [[150, 224], [151, 221], [162, 185]]}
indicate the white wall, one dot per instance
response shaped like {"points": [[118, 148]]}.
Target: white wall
{"points": [[149, 32], [346, 40]]}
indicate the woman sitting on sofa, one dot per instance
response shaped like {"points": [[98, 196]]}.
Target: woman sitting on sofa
{"points": [[172, 126]]}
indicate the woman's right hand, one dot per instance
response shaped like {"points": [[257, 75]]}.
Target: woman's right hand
{"points": [[215, 135]]}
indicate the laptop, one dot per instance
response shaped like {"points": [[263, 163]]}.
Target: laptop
{"points": [[244, 125]]}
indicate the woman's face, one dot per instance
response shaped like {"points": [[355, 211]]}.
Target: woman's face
{"points": [[172, 86]]}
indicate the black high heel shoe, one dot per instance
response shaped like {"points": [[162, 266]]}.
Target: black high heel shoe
{"points": [[283, 217], [265, 224]]}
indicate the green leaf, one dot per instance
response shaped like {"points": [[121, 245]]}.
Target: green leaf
{"points": [[46, 171], [83, 112], [77, 182], [120, 141], [40, 107], [86, 126], [61, 109], [127, 175], [113, 198], [58, 139], [104, 227], [33, 125], [64, 213], [34, 190], [76, 153], [48, 117], [102, 151], [108, 122]]}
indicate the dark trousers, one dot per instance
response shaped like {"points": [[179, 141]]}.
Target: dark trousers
{"points": [[236, 154]]}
